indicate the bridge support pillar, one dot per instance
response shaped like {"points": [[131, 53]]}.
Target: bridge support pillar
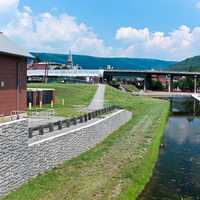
{"points": [[170, 83], [195, 84], [194, 108], [145, 83], [147, 80]]}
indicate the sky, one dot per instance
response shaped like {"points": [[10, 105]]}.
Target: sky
{"points": [[161, 29]]}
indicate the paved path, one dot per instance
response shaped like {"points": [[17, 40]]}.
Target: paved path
{"points": [[37, 121], [98, 100], [162, 94], [196, 96]]}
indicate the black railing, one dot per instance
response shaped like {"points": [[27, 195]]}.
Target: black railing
{"points": [[66, 123]]}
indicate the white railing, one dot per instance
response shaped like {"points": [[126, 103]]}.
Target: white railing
{"points": [[67, 73]]}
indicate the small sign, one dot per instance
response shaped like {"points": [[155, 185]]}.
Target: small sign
{"points": [[2, 84]]}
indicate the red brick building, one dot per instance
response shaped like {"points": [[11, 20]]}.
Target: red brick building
{"points": [[13, 76]]}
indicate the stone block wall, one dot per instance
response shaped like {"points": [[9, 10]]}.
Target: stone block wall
{"points": [[13, 155], [22, 158]]}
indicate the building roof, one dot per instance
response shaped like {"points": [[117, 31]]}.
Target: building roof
{"points": [[7, 46]]}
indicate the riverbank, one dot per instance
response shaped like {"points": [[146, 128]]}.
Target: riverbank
{"points": [[118, 168], [144, 134]]}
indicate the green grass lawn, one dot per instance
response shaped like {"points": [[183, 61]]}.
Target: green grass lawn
{"points": [[75, 95], [118, 168]]}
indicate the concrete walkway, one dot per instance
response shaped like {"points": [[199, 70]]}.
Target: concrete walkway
{"points": [[98, 100], [162, 94], [196, 96]]}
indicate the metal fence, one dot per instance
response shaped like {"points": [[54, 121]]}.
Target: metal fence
{"points": [[66, 123]]}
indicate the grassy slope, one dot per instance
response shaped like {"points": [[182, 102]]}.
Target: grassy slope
{"points": [[144, 135], [130, 87], [74, 95], [118, 168]]}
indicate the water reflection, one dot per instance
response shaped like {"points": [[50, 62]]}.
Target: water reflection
{"points": [[177, 173]]}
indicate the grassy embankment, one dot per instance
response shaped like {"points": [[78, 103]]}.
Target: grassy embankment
{"points": [[130, 87], [76, 96], [118, 168]]}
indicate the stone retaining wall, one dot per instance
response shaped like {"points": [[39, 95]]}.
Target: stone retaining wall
{"points": [[22, 158]]}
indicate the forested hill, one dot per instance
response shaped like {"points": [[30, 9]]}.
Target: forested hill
{"points": [[90, 62], [190, 64]]}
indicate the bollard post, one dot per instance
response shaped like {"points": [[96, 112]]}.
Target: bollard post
{"points": [[81, 119], [63, 102], [93, 114], [60, 125], [41, 130], [30, 105], [67, 123], [51, 127], [40, 104], [85, 118], [89, 116], [52, 104], [74, 120], [30, 132]]}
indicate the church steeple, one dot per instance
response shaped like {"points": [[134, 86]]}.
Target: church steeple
{"points": [[70, 60]]}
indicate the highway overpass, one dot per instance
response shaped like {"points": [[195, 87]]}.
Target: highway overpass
{"points": [[109, 74]]}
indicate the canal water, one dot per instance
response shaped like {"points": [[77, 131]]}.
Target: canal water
{"points": [[177, 172]]}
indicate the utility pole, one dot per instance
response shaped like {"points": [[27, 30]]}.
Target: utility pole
{"points": [[18, 90], [46, 72]]}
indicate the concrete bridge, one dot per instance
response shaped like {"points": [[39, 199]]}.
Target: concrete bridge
{"points": [[147, 74]]}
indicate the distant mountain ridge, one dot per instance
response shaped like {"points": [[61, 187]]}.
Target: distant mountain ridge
{"points": [[190, 64], [90, 62]]}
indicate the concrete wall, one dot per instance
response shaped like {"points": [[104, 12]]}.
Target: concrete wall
{"points": [[13, 155], [22, 158]]}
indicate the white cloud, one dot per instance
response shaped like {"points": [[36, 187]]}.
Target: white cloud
{"points": [[179, 44], [47, 32], [130, 34], [8, 6], [59, 33]]}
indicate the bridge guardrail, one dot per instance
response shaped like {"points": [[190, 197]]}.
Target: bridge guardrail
{"points": [[66, 123]]}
